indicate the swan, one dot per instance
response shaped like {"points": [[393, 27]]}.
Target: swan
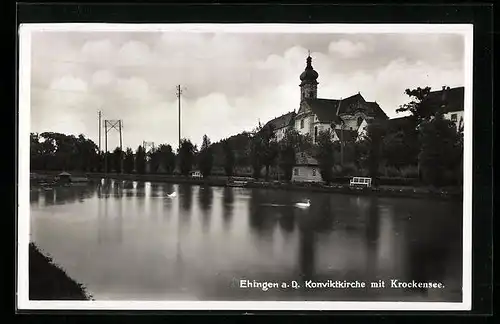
{"points": [[303, 204], [172, 195]]}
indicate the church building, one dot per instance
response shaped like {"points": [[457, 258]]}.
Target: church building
{"points": [[347, 118], [351, 114]]}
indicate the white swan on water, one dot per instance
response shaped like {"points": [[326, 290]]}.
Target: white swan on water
{"points": [[303, 204], [172, 195]]}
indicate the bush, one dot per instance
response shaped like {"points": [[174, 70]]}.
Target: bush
{"points": [[389, 181], [363, 172], [337, 170], [350, 170], [410, 171], [391, 172]]}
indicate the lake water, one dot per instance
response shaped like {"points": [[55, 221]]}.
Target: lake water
{"points": [[130, 241]]}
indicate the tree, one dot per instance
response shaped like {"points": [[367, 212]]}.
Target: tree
{"points": [[324, 154], [398, 151], [292, 143], [373, 140], [167, 158], [140, 160], [206, 157], [441, 151], [36, 156], [117, 160], [56, 151], [417, 106], [128, 161], [263, 150], [186, 154], [229, 158], [154, 160]]}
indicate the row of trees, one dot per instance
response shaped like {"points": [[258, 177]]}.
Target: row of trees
{"points": [[426, 140]]}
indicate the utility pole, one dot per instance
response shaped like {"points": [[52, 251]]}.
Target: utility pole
{"points": [[105, 147], [178, 93], [120, 126], [99, 132], [115, 124]]}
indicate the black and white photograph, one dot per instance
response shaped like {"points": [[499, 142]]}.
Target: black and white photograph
{"points": [[245, 166]]}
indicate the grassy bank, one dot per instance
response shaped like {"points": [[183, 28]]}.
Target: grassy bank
{"points": [[340, 186], [48, 282]]}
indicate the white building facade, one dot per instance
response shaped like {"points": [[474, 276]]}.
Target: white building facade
{"points": [[345, 118]]}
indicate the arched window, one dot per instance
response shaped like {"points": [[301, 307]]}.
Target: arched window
{"points": [[315, 133], [301, 123], [360, 120], [311, 94]]}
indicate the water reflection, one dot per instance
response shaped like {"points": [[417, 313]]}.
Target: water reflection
{"points": [[129, 185], [34, 195], [109, 223], [336, 237], [167, 189], [262, 214], [372, 233], [185, 197], [307, 248], [155, 189], [433, 246], [205, 196], [227, 206]]}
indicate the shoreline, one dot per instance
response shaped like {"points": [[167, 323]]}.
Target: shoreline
{"points": [[416, 192], [47, 281]]}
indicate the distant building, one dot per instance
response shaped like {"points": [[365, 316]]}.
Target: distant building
{"points": [[282, 124], [451, 101], [306, 169]]}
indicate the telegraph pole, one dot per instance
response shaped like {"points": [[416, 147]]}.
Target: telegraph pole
{"points": [[120, 126], [105, 147], [179, 92], [99, 132], [115, 124]]}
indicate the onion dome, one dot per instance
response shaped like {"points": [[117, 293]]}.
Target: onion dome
{"points": [[309, 75]]}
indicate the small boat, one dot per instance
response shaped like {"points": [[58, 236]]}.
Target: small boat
{"points": [[237, 183], [66, 178], [172, 195], [305, 204]]}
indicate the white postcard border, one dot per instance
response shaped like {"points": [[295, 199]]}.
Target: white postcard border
{"points": [[23, 222]]}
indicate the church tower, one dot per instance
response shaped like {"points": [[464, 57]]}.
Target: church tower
{"points": [[308, 85]]}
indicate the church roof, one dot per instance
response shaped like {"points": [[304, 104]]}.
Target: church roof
{"points": [[329, 110], [453, 99], [348, 105], [376, 111], [282, 121], [324, 109], [303, 158]]}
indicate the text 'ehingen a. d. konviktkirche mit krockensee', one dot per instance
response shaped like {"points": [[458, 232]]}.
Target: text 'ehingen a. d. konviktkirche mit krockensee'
{"points": [[338, 284]]}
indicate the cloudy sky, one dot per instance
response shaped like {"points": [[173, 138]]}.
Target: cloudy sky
{"points": [[230, 81]]}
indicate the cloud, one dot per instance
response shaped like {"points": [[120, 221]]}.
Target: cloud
{"points": [[134, 53], [98, 50], [102, 78], [347, 49]]}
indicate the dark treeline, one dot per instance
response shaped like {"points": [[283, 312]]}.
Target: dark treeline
{"points": [[426, 146]]}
